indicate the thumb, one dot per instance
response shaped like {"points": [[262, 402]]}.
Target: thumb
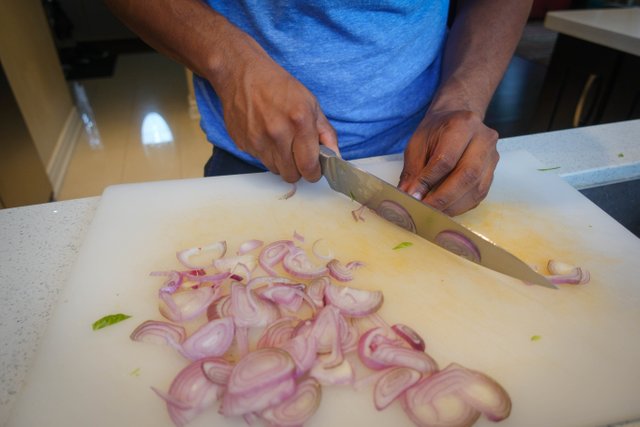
{"points": [[327, 134]]}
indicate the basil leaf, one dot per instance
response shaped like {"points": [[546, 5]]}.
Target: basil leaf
{"points": [[109, 320], [549, 169]]}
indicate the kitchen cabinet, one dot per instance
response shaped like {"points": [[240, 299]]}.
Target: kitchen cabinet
{"points": [[23, 180], [593, 74]]}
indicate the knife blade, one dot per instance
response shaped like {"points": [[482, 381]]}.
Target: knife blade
{"points": [[422, 219]]}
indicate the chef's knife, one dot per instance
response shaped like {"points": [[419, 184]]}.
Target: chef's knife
{"points": [[420, 218]]}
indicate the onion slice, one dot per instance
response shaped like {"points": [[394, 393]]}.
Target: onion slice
{"points": [[262, 378], [297, 263], [217, 250], [340, 272], [274, 253], [395, 213], [210, 340], [392, 384], [409, 335], [195, 392], [353, 302], [248, 246], [563, 273], [458, 244], [298, 408], [158, 332], [187, 304], [217, 370]]}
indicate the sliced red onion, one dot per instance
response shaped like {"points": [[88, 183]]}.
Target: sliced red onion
{"points": [[272, 254], [433, 401], [392, 355], [358, 214], [298, 408], [458, 244], [325, 254], [409, 335], [219, 308], [297, 263], [173, 282], [397, 214], [249, 310], [289, 297], [563, 273], [207, 278], [187, 304], [316, 288], [290, 193], [483, 393], [248, 246], [194, 390], [242, 340], [259, 281], [392, 384], [262, 378], [276, 334], [157, 332], [326, 374], [297, 236], [340, 272], [216, 250], [327, 332], [368, 343], [217, 370], [353, 302], [303, 350], [248, 261], [210, 340]]}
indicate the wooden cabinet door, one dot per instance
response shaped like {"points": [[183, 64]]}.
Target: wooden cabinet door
{"points": [[624, 100]]}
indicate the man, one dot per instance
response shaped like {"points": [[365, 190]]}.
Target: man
{"points": [[363, 77]]}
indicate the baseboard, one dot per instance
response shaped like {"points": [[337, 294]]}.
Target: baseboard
{"points": [[57, 167]]}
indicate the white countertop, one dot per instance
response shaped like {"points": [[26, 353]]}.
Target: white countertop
{"points": [[615, 28], [39, 244]]}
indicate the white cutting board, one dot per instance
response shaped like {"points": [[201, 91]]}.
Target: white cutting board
{"points": [[584, 371]]}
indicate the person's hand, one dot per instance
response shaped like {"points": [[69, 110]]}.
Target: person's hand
{"points": [[449, 161], [272, 116]]}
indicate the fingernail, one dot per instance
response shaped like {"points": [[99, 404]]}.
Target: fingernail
{"points": [[417, 195]]}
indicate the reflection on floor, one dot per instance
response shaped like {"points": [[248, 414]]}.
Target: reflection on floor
{"points": [[144, 132]]}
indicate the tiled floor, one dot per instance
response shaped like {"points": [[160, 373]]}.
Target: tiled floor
{"points": [[142, 84]]}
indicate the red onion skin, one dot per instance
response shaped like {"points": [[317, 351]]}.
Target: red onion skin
{"points": [[294, 355], [387, 388], [298, 408]]}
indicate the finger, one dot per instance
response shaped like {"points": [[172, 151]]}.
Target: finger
{"points": [[469, 182], [446, 155], [306, 152], [327, 134], [472, 199], [415, 158]]}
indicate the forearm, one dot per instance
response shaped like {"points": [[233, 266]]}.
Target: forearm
{"points": [[188, 31], [480, 45]]}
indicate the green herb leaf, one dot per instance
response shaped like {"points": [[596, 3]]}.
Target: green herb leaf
{"points": [[352, 196], [549, 169], [109, 320], [620, 155], [536, 338], [135, 372], [402, 245]]}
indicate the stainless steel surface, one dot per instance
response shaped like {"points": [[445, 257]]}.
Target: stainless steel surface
{"points": [[371, 191], [23, 180]]}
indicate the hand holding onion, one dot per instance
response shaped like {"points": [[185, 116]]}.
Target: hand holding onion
{"points": [[449, 161]]}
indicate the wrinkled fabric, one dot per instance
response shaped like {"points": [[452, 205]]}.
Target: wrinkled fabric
{"points": [[372, 65]]}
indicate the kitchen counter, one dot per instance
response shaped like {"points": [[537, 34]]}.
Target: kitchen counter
{"points": [[614, 28], [39, 244]]}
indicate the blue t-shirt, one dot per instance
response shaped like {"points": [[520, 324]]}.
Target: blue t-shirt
{"points": [[372, 65]]}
